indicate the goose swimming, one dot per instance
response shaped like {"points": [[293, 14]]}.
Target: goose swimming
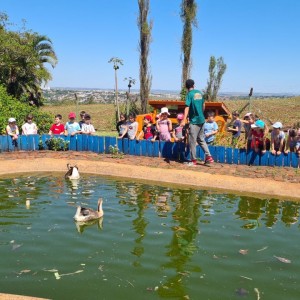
{"points": [[72, 172], [84, 214]]}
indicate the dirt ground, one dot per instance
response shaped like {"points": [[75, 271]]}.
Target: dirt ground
{"points": [[240, 179]]}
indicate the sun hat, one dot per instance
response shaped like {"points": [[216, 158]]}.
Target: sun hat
{"points": [[248, 114], [72, 115], [147, 117], [164, 110], [258, 124], [180, 117], [11, 120], [277, 125]]}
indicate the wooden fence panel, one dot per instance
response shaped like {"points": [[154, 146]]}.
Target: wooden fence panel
{"points": [[23, 142], [221, 154], [120, 145], [295, 160], [235, 156], [286, 160], [229, 155], [80, 139], [144, 147], [73, 143], [264, 159], [242, 156]]}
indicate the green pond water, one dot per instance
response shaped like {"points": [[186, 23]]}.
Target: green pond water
{"points": [[153, 242]]}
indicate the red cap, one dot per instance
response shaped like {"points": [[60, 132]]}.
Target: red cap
{"points": [[148, 118], [72, 115]]}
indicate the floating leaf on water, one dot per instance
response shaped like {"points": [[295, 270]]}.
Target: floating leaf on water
{"points": [[56, 275], [16, 246], [248, 278], [282, 259], [262, 249], [257, 293], [243, 251]]}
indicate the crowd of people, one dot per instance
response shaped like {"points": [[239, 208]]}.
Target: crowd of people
{"points": [[192, 128]]}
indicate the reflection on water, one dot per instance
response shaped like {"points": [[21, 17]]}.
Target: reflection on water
{"points": [[152, 242]]}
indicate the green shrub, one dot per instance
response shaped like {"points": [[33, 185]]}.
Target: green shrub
{"points": [[57, 144], [13, 108]]}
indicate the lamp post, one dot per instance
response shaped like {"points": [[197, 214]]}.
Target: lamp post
{"points": [[131, 82], [250, 95], [116, 61]]}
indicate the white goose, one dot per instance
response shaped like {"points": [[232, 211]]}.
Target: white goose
{"points": [[84, 214], [72, 172]]}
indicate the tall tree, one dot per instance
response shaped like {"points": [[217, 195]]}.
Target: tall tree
{"points": [[188, 17], [145, 28], [216, 70], [116, 65], [22, 60]]}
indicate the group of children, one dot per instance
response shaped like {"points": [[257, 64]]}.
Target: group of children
{"points": [[257, 135], [256, 131], [72, 127], [162, 128]]}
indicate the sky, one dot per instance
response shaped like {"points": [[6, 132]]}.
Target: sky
{"points": [[259, 41]]}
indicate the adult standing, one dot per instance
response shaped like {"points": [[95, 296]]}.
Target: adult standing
{"points": [[194, 110]]}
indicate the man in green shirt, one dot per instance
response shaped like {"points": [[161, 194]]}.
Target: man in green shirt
{"points": [[194, 109]]}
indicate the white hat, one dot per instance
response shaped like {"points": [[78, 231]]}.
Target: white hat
{"points": [[277, 125], [10, 120], [248, 114], [164, 110]]}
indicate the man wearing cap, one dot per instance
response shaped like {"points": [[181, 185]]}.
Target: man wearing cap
{"points": [[72, 127], [194, 109]]}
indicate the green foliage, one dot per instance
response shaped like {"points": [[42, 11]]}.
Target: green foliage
{"points": [[115, 152], [11, 108], [22, 58], [183, 94], [216, 71], [57, 144]]}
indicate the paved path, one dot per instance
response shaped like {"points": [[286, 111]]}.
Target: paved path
{"points": [[281, 183]]}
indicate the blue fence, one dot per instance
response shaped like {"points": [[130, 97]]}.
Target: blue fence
{"points": [[168, 150]]}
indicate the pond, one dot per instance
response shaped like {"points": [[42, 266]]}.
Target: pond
{"points": [[153, 242]]}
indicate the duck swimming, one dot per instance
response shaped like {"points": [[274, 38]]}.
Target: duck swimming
{"points": [[72, 172], [84, 214]]}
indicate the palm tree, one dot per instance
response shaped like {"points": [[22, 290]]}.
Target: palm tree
{"points": [[188, 16], [117, 62], [145, 28]]}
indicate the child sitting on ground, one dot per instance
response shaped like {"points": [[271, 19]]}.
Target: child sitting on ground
{"points": [[121, 125], [29, 127], [259, 140], [57, 127], [164, 125], [87, 127], [72, 127], [148, 131], [277, 139], [179, 131], [13, 130], [131, 127], [210, 128]]}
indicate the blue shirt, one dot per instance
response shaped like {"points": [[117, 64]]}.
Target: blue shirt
{"points": [[208, 128], [72, 127]]}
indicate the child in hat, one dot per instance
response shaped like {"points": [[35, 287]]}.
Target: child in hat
{"points": [[259, 139], [179, 131], [13, 130], [164, 125], [72, 127], [277, 139]]}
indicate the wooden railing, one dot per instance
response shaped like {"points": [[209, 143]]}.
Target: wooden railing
{"points": [[169, 150]]}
